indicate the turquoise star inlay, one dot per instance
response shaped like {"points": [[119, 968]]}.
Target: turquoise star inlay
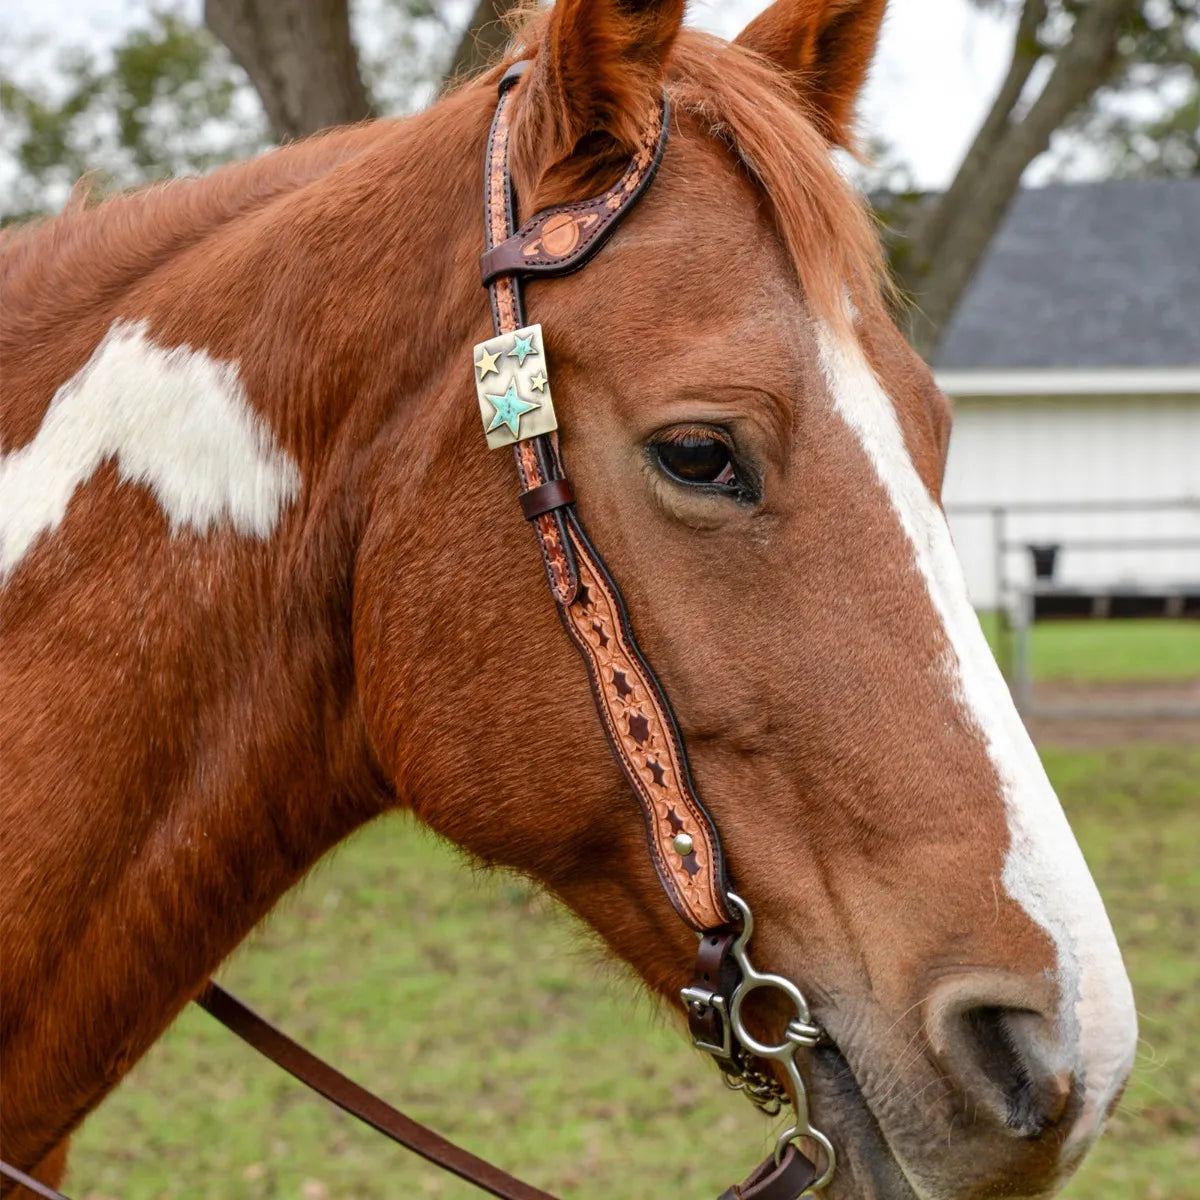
{"points": [[510, 408], [522, 349]]}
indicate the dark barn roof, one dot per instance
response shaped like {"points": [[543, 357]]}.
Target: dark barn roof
{"points": [[1087, 275]]}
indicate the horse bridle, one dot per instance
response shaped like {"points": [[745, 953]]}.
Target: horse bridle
{"points": [[518, 411], [634, 711]]}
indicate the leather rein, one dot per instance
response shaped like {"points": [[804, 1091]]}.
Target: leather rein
{"points": [[515, 401]]}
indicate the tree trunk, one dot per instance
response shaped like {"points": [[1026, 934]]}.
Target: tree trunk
{"points": [[484, 38], [300, 57], [949, 242]]}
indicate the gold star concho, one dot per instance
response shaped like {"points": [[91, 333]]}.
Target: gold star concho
{"points": [[538, 382], [522, 349], [510, 408], [487, 362]]}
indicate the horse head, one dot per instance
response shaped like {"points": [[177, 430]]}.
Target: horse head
{"points": [[758, 455]]}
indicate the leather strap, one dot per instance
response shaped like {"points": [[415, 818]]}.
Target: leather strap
{"points": [[274, 1044], [559, 240], [632, 705], [634, 711], [546, 498], [642, 734], [714, 980], [788, 1180], [533, 457], [9, 1172], [768, 1182]]}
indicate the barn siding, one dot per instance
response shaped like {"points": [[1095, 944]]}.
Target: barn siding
{"points": [[1017, 449]]}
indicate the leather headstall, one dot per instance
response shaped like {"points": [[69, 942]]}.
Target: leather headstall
{"points": [[515, 401]]}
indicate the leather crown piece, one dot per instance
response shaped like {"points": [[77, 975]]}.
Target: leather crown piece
{"points": [[632, 706], [559, 240]]}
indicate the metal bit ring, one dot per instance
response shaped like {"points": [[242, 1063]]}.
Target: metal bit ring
{"points": [[800, 1032]]}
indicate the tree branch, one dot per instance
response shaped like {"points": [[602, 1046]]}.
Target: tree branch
{"points": [[929, 226], [1083, 65], [484, 38]]}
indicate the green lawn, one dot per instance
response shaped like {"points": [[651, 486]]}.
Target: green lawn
{"points": [[402, 965], [1110, 651]]}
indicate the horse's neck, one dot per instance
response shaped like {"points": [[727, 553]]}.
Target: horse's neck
{"points": [[203, 743]]}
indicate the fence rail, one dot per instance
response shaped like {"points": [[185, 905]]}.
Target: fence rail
{"points": [[1016, 605]]}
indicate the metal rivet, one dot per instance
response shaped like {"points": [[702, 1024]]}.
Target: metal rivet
{"points": [[683, 844]]}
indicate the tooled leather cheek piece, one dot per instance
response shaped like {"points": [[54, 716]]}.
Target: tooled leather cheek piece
{"points": [[516, 403]]}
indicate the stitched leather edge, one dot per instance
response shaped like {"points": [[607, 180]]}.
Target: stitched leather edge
{"points": [[511, 255]]}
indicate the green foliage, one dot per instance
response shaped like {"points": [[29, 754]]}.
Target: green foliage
{"points": [[1146, 121], [168, 101], [403, 58]]}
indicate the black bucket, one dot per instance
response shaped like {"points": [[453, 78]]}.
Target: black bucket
{"points": [[1044, 559]]}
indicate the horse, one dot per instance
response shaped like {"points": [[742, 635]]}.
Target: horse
{"points": [[262, 582]]}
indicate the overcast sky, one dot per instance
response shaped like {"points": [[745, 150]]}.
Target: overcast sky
{"points": [[939, 63]]}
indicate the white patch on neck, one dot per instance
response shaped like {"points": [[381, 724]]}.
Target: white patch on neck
{"points": [[1044, 870], [175, 421]]}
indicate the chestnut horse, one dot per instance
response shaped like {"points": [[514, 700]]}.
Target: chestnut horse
{"points": [[262, 582]]}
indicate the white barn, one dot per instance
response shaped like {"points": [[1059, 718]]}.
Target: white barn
{"points": [[1074, 364]]}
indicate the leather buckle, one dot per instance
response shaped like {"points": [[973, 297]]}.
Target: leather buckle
{"points": [[700, 1003]]}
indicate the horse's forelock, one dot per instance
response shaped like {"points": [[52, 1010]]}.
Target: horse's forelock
{"points": [[822, 222]]}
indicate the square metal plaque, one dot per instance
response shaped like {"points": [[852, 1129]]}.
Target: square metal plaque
{"points": [[513, 386]]}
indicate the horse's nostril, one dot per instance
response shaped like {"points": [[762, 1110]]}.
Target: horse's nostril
{"points": [[998, 1045], [1012, 1056]]}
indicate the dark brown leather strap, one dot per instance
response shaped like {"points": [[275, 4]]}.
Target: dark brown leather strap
{"points": [[28, 1182], [272, 1043], [561, 239], [786, 1181], [633, 708], [536, 461], [714, 980], [546, 498]]}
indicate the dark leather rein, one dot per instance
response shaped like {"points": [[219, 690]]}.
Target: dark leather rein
{"points": [[515, 401]]}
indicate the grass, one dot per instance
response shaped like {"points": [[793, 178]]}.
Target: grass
{"points": [[1135, 812], [1109, 651], [469, 1000], [480, 1008]]}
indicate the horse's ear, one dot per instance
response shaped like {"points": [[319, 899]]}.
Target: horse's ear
{"points": [[827, 45], [598, 68]]}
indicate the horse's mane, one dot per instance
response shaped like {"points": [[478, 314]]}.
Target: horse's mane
{"points": [[125, 236], [743, 101]]}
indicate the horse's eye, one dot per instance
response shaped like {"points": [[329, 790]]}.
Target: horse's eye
{"points": [[698, 457]]}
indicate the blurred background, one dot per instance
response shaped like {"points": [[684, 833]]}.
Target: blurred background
{"points": [[1035, 165]]}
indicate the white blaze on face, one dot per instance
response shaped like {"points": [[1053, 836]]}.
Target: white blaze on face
{"points": [[1044, 870], [175, 421]]}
